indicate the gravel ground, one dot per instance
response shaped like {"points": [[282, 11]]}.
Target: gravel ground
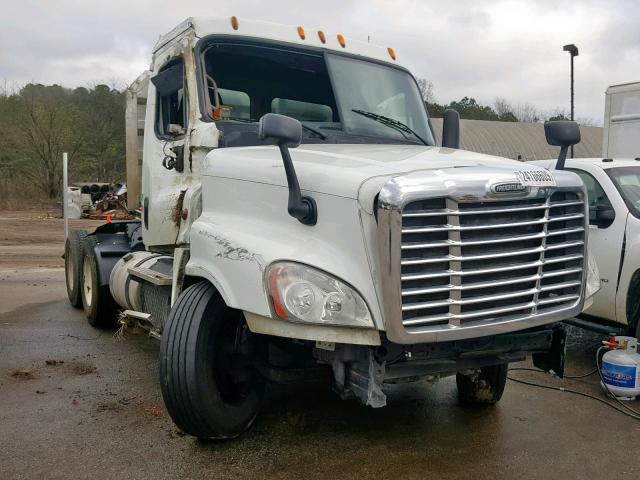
{"points": [[76, 402]]}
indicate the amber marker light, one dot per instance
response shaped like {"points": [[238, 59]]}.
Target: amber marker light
{"points": [[321, 36], [392, 54], [275, 296], [301, 33], [341, 41], [234, 22]]}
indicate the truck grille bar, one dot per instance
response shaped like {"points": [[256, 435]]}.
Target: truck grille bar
{"points": [[468, 262]]}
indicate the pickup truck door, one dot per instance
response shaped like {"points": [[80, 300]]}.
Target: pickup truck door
{"points": [[605, 238]]}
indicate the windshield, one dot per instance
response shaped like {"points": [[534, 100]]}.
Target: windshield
{"points": [[362, 86], [627, 181], [332, 95]]}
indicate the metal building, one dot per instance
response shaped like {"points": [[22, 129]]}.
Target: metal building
{"points": [[511, 139]]}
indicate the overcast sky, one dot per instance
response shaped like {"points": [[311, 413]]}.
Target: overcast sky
{"points": [[482, 49]]}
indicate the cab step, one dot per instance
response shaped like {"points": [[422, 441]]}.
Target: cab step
{"points": [[151, 276]]}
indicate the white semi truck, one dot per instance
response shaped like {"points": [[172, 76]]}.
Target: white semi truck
{"points": [[298, 215]]}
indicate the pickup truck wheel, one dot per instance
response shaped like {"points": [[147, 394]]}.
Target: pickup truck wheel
{"points": [[209, 385], [484, 387], [99, 306], [73, 254]]}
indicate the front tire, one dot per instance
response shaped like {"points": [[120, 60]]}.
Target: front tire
{"points": [[99, 306], [209, 385], [483, 388]]}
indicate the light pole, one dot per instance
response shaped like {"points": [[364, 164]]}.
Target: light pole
{"points": [[573, 51]]}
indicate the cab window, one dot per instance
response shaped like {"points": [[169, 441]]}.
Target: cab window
{"points": [[598, 200], [239, 102], [171, 110], [303, 111]]}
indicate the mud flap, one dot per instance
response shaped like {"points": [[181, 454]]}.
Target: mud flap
{"points": [[553, 360]]}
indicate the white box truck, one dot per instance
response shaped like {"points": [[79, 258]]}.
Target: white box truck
{"points": [[622, 121], [298, 214]]}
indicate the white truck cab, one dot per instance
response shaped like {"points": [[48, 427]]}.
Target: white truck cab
{"points": [[298, 213], [613, 189]]}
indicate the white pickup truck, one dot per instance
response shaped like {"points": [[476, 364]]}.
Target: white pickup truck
{"points": [[298, 214], [613, 189]]}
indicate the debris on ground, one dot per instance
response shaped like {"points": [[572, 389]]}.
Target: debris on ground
{"points": [[23, 374], [100, 201], [154, 411], [124, 323], [53, 363]]}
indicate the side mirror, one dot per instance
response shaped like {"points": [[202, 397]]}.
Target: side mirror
{"points": [[563, 134], [601, 215], [284, 130], [450, 129], [287, 133]]}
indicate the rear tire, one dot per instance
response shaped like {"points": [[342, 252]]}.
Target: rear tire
{"points": [[73, 255], [484, 388], [99, 306], [209, 385]]}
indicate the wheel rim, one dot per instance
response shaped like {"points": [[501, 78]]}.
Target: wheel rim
{"points": [[68, 269], [87, 283]]}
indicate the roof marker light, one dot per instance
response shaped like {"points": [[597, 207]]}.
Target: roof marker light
{"points": [[321, 36], [392, 54], [301, 33], [341, 41], [234, 22]]}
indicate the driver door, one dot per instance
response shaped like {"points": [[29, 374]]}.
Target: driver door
{"points": [[166, 171]]}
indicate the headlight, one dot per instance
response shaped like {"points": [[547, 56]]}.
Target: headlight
{"points": [[305, 294]]}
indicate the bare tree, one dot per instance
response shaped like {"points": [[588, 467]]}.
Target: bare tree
{"points": [[521, 112], [525, 112], [502, 106], [426, 90]]}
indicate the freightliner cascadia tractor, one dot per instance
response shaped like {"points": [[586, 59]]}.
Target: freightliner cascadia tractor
{"points": [[299, 216]]}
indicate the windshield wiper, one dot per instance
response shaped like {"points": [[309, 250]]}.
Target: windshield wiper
{"points": [[314, 130], [390, 122]]}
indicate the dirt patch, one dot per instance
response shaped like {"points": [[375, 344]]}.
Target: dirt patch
{"points": [[23, 374], [83, 369], [32, 239], [113, 405]]}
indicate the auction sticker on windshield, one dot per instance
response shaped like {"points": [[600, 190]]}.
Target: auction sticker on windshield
{"points": [[536, 178]]}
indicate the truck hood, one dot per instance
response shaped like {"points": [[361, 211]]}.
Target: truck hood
{"points": [[345, 170]]}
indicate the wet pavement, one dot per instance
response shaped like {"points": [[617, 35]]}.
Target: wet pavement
{"points": [[76, 402]]}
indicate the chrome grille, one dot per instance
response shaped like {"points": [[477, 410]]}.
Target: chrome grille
{"points": [[464, 263]]}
